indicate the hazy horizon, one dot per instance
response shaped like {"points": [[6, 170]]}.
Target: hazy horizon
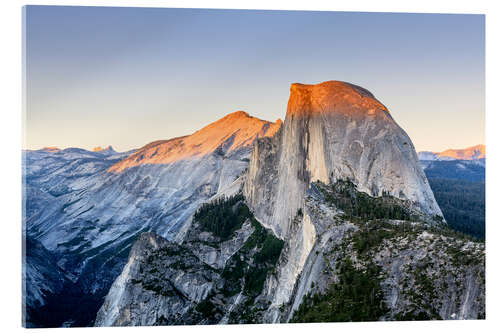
{"points": [[140, 146], [99, 76]]}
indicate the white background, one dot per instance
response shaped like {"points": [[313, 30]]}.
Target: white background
{"points": [[11, 138]]}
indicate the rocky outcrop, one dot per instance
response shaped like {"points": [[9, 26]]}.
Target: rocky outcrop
{"points": [[152, 285], [424, 272], [42, 278], [418, 271], [204, 280], [444, 274], [333, 130]]}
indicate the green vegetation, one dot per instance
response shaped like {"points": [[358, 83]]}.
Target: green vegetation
{"points": [[247, 270], [463, 257], [422, 294], [207, 308], [462, 203], [371, 234], [223, 216], [463, 207], [157, 287], [260, 254], [344, 195], [455, 170], [271, 249], [357, 296]]}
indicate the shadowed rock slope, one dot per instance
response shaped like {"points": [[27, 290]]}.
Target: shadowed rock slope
{"points": [[88, 208], [215, 276], [364, 264]]}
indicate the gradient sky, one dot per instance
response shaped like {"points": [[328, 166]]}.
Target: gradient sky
{"points": [[99, 76]]}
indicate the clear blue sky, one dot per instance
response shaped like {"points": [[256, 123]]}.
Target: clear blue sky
{"points": [[129, 76]]}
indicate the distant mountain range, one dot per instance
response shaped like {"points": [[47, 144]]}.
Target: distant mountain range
{"points": [[471, 153], [457, 178], [464, 164]]}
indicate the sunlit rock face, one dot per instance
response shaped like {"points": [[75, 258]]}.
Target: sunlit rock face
{"points": [[333, 130], [477, 152], [471, 153], [235, 131]]}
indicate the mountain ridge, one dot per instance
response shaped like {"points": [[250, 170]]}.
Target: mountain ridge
{"points": [[476, 152], [234, 131]]}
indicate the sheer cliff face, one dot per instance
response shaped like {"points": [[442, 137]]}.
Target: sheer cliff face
{"points": [[333, 130]]}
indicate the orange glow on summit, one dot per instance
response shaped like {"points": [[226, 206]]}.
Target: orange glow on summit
{"points": [[236, 130], [331, 96]]}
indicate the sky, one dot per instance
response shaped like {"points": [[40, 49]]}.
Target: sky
{"points": [[99, 76]]}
